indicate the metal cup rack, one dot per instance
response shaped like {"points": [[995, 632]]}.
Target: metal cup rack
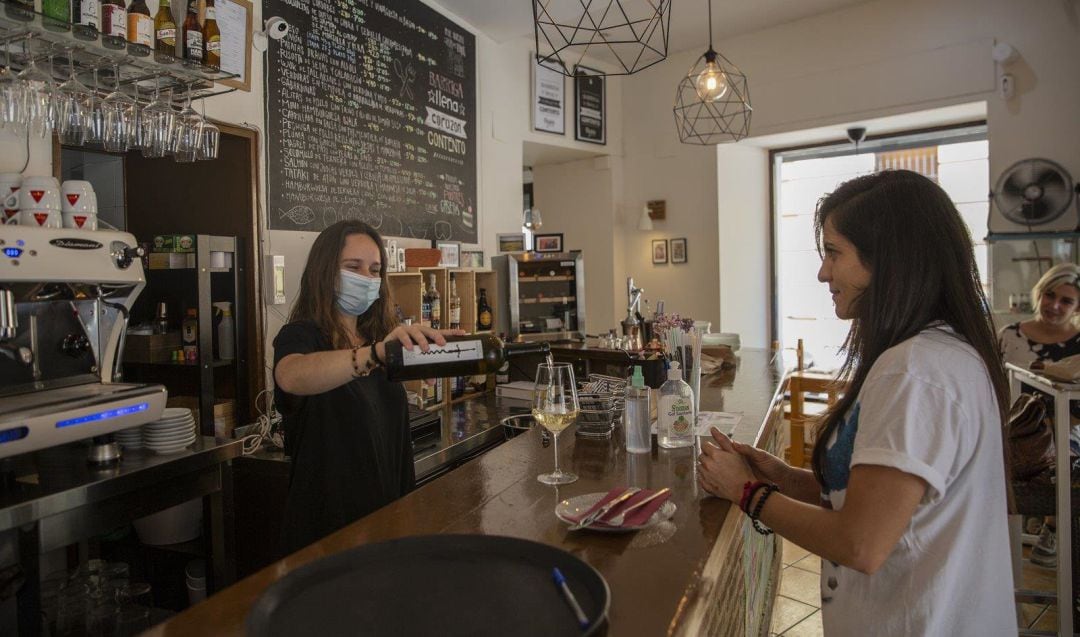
{"points": [[26, 35]]}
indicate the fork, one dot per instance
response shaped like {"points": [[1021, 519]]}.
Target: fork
{"points": [[619, 519], [602, 511]]}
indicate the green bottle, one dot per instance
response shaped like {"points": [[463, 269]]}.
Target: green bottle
{"points": [[57, 14]]}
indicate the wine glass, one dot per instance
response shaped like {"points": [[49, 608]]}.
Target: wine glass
{"points": [[211, 138], [555, 407], [120, 118]]}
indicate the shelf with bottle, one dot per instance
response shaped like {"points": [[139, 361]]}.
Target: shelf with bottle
{"points": [[58, 46]]}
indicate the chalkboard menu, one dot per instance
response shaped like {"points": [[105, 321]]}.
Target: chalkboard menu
{"points": [[371, 115]]}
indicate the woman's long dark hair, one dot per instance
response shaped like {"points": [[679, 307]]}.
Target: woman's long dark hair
{"points": [[317, 301], [911, 238]]}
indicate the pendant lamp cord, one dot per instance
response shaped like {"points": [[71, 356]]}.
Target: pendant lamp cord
{"points": [[710, 25]]}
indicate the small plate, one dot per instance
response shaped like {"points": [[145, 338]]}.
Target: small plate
{"points": [[577, 506]]}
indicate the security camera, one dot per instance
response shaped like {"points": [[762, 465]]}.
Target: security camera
{"points": [[277, 28]]}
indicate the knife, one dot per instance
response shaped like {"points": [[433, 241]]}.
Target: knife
{"points": [[604, 510]]}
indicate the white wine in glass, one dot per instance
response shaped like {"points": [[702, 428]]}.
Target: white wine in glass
{"points": [[555, 407]]}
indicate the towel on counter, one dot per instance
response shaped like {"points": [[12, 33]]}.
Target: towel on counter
{"points": [[637, 517]]}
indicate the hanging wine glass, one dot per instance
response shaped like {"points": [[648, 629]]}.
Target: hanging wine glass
{"points": [[119, 118], [12, 94], [95, 118], [189, 131], [74, 104], [211, 137], [39, 92], [156, 121]]}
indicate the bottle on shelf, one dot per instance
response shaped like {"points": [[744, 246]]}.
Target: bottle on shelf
{"points": [[113, 24], [483, 312], [57, 14], [636, 420], [398, 314], [190, 336], [192, 35], [211, 37], [226, 332], [21, 10], [425, 305], [140, 29], [502, 375], [454, 303], [461, 356], [164, 34], [436, 303], [675, 414], [161, 324], [86, 18]]}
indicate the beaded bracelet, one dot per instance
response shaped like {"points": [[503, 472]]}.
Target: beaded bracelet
{"points": [[369, 366], [769, 489], [748, 491]]}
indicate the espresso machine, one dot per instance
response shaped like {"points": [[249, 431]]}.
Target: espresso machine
{"points": [[64, 301]]}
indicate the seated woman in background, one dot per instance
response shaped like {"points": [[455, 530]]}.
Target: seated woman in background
{"points": [[1051, 335], [906, 502]]}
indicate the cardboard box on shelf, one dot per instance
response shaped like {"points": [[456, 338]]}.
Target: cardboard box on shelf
{"points": [[224, 413], [151, 348]]}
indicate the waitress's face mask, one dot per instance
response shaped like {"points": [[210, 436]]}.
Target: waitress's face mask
{"points": [[356, 293]]}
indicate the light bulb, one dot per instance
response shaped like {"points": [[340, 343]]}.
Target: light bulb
{"points": [[712, 82]]}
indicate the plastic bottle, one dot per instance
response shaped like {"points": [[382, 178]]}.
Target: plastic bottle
{"points": [[675, 416], [638, 437], [226, 332]]}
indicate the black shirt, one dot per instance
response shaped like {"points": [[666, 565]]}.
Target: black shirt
{"points": [[350, 447]]}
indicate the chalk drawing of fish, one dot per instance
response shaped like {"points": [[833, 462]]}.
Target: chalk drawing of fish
{"points": [[329, 216], [300, 215]]}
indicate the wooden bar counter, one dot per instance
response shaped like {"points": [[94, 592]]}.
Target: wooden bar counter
{"points": [[702, 572]]}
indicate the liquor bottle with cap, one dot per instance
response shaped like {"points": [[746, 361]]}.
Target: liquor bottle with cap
{"points": [[425, 305], [192, 37], [454, 305], [436, 303], [114, 24], [85, 18], [140, 29], [164, 34], [211, 37], [461, 356]]}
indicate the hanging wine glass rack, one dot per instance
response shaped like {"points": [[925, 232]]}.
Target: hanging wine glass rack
{"points": [[26, 35]]}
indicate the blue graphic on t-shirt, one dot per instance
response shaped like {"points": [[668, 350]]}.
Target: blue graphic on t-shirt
{"points": [[838, 456]]}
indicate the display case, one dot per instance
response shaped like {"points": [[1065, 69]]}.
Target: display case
{"points": [[201, 273], [543, 295]]}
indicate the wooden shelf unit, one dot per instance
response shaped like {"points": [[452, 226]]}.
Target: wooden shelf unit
{"points": [[406, 291]]}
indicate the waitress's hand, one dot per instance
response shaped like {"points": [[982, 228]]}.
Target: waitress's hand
{"points": [[722, 470], [420, 335], [766, 467]]}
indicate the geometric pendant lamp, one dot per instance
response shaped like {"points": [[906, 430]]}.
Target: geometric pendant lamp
{"points": [[712, 102], [632, 34]]}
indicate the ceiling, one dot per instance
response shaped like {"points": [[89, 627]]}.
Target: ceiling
{"points": [[504, 20]]}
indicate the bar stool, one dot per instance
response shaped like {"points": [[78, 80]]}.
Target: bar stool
{"points": [[1047, 500]]}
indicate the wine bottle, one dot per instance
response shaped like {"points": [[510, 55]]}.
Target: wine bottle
{"points": [[483, 312], [454, 304], [436, 304], [140, 31], [114, 24], [211, 37], [461, 356], [192, 36]]}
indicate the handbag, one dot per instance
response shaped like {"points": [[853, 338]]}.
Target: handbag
{"points": [[1030, 436]]}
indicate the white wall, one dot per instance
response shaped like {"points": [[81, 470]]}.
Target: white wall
{"points": [[870, 60]]}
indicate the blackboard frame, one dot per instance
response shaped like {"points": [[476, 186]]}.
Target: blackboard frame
{"points": [[584, 79]]}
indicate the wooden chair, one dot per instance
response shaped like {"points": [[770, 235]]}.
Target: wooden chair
{"points": [[801, 381]]}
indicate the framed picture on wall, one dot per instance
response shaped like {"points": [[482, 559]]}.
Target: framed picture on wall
{"points": [[451, 254], [513, 242], [472, 258], [589, 106], [548, 242], [678, 250], [659, 251], [549, 99]]}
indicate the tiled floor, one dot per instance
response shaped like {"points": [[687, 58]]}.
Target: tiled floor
{"points": [[797, 611]]}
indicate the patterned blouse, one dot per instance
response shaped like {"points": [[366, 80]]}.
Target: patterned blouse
{"points": [[1022, 352]]}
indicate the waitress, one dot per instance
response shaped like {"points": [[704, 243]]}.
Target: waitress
{"points": [[346, 425]]}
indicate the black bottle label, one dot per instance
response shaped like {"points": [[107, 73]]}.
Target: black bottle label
{"points": [[452, 352]]}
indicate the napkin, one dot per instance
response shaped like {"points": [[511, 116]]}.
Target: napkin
{"points": [[637, 517]]}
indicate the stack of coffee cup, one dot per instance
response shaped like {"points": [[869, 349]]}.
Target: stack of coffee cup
{"points": [[9, 185], [39, 202], [79, 205]]}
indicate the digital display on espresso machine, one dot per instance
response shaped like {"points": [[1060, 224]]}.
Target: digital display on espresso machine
{"points": [[103, 415], [12, 253]]}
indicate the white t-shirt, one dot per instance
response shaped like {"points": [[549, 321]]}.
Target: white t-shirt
{"points": [[928, 409]]}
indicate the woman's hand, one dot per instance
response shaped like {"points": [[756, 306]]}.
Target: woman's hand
{"points": [[766, 467], [420, 335], [723, 471]]}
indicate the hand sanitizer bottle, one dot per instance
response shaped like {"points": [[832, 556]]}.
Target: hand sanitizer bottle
{"points": [[636, 420], [675, 415]]}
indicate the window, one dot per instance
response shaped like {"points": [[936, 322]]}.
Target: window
{"points": [[957, 159]]}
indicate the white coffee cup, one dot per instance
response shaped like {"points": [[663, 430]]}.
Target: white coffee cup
{"points": [[78, 196], [80, 220], [41, 218], [36, 197], [9, 184]]}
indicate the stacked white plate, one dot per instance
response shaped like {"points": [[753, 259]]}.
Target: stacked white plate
{"points": [[129, 438], [173, 432]]}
